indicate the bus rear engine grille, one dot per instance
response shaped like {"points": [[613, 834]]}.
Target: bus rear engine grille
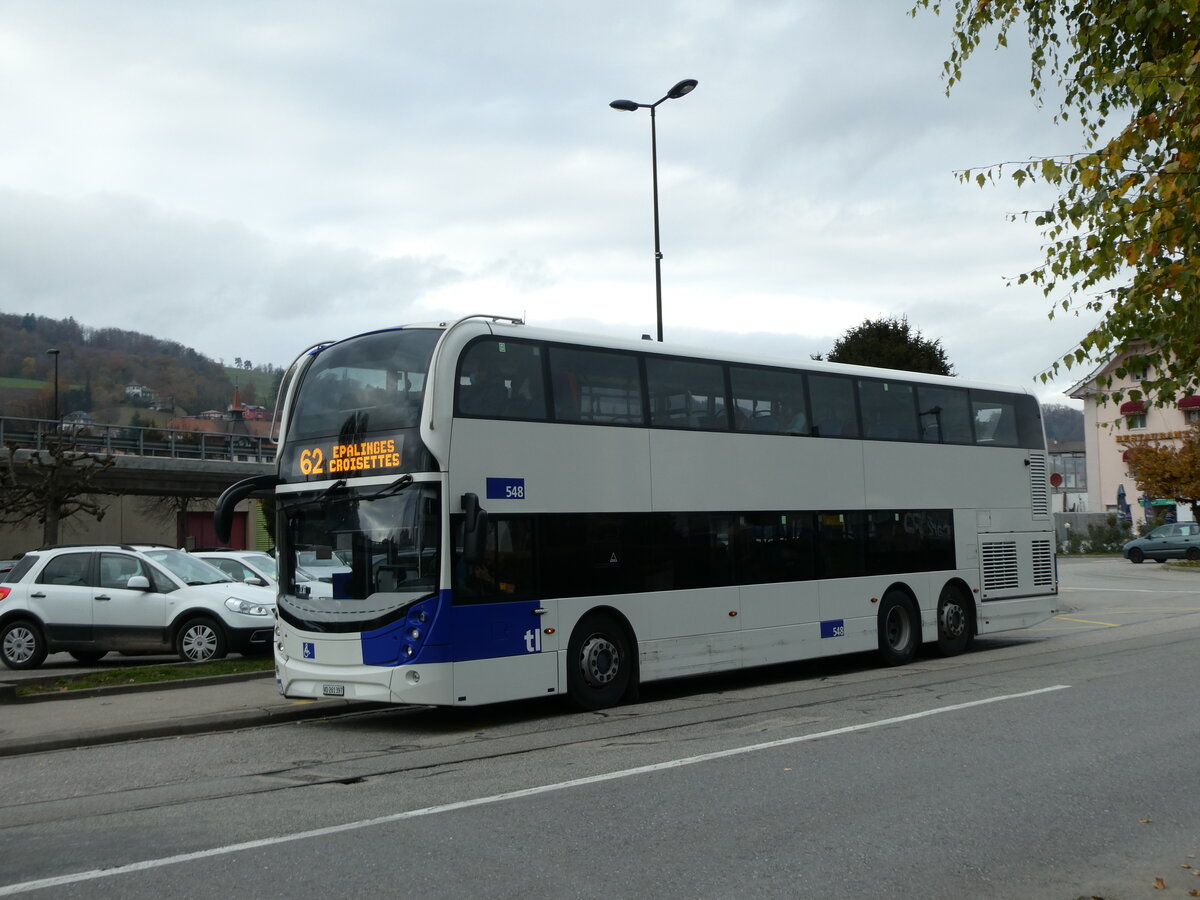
{"points": [[1000, 565]]}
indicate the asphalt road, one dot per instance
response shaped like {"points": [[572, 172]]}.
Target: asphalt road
{"points": [[1058, 762]]}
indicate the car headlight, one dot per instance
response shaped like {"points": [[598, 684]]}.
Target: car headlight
{"points": [[246, 608]]}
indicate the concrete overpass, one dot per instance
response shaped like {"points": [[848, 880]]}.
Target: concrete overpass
{"points": [[148, 462]]}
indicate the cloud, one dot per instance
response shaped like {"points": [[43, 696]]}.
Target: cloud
{"points": [[248, 179]]}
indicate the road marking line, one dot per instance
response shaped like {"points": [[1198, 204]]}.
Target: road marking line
{"points": [[96, 874], [1099, 590], [1089, 621]]}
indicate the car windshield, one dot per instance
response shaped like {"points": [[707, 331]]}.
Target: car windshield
{"points": [[188, 569], [264, 563]]}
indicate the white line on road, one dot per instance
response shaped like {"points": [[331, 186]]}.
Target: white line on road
{"points": [[94, 874]]}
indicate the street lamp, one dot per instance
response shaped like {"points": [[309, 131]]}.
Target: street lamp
{"points": [[679, 90], [54, 352]]}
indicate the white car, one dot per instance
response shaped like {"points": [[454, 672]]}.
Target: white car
{"points": [[89, 600], [256, 567]]}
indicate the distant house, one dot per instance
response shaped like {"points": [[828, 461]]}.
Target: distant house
{"points": [[1110, 428], [138, 392]]}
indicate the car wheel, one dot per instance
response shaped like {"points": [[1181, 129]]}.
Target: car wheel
{"points": [[899, 629], [956, 626], [1136, 555], [200, 640], [599, 662], [89, 656], [22, 645], [1193, 553]]}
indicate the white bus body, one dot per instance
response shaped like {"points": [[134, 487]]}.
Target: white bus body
{"points": [[636, 530]]}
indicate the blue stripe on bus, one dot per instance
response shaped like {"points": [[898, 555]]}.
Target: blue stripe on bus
{"points": [[450, 633]]}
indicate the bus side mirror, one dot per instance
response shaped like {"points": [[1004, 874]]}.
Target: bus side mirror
{"points": [[474, 529], [235, 494]]}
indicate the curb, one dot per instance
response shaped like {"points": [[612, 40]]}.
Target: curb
{"points": [[181, 727], [8, 691]]}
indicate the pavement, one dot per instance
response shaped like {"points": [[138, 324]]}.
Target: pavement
{"points": [[111, 715]]}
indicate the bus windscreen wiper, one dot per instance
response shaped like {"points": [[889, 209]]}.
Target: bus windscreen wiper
{"points": [[394, 488], [338, 485]]}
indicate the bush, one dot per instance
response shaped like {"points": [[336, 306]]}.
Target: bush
{"points": [[1107, 538]]}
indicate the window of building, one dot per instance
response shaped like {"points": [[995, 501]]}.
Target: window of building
{"points": [[1137, 420]]}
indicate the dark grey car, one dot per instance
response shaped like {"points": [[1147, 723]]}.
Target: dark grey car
{"points": [[1180, 540]]}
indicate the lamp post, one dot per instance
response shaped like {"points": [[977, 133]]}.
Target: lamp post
{"points": [[679, 90], [54, 352]]}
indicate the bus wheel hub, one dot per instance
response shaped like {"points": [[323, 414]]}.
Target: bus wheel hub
{"points": [[953, 620], [599, 660]]}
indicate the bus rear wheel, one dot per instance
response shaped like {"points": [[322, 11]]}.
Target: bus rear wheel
{"points": [[956, 626], [899, 629], [599, 662]]}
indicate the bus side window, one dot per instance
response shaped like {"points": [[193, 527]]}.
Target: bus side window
{"points": [[596, 386], [944, 414], [834, 408], [506, 569], [995, 419], [888, 411], [769, 400], [686, 394], [503, 380]]}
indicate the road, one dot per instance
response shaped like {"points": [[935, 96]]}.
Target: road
{"points": [[1058, 762]]}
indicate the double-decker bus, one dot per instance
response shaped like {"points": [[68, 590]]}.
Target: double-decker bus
{"points": [[508, 512]]}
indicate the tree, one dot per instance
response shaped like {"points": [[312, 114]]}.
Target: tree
{"points": [[1165, 470], [890, 344], [50, 485], [1123, 237]]}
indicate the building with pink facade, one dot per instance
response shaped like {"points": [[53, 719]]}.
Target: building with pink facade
{"points": [[1110, 428]]}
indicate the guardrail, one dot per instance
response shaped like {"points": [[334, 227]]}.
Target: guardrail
{"points": [[38, 434]]}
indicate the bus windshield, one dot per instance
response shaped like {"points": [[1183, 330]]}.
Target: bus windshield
{"points": [[373, 383], [380, 547]]}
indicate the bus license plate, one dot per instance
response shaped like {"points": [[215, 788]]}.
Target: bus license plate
{"points": [[333, 690]]}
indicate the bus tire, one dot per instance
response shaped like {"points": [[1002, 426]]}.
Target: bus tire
{"points": [[956, 624], [600, 662], [899, 629]]}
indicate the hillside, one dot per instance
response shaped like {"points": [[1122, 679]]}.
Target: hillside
{"points": [[96, 365]]}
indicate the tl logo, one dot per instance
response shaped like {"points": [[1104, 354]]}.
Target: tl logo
{"points": [[310, 650], [533, 640]]}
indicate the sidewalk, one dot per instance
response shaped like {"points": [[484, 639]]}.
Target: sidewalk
{"points": [[105, 716]]}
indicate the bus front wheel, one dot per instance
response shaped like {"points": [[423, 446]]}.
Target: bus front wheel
{"points": [[599, 662], [899, 629]]}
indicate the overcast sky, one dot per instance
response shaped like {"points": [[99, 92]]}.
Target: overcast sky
{"points": [[251, 177]]}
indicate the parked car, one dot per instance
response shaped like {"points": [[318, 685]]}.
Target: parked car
{"points": [[324, 564], [256, 567], [89, 600], [1180, 540]]}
